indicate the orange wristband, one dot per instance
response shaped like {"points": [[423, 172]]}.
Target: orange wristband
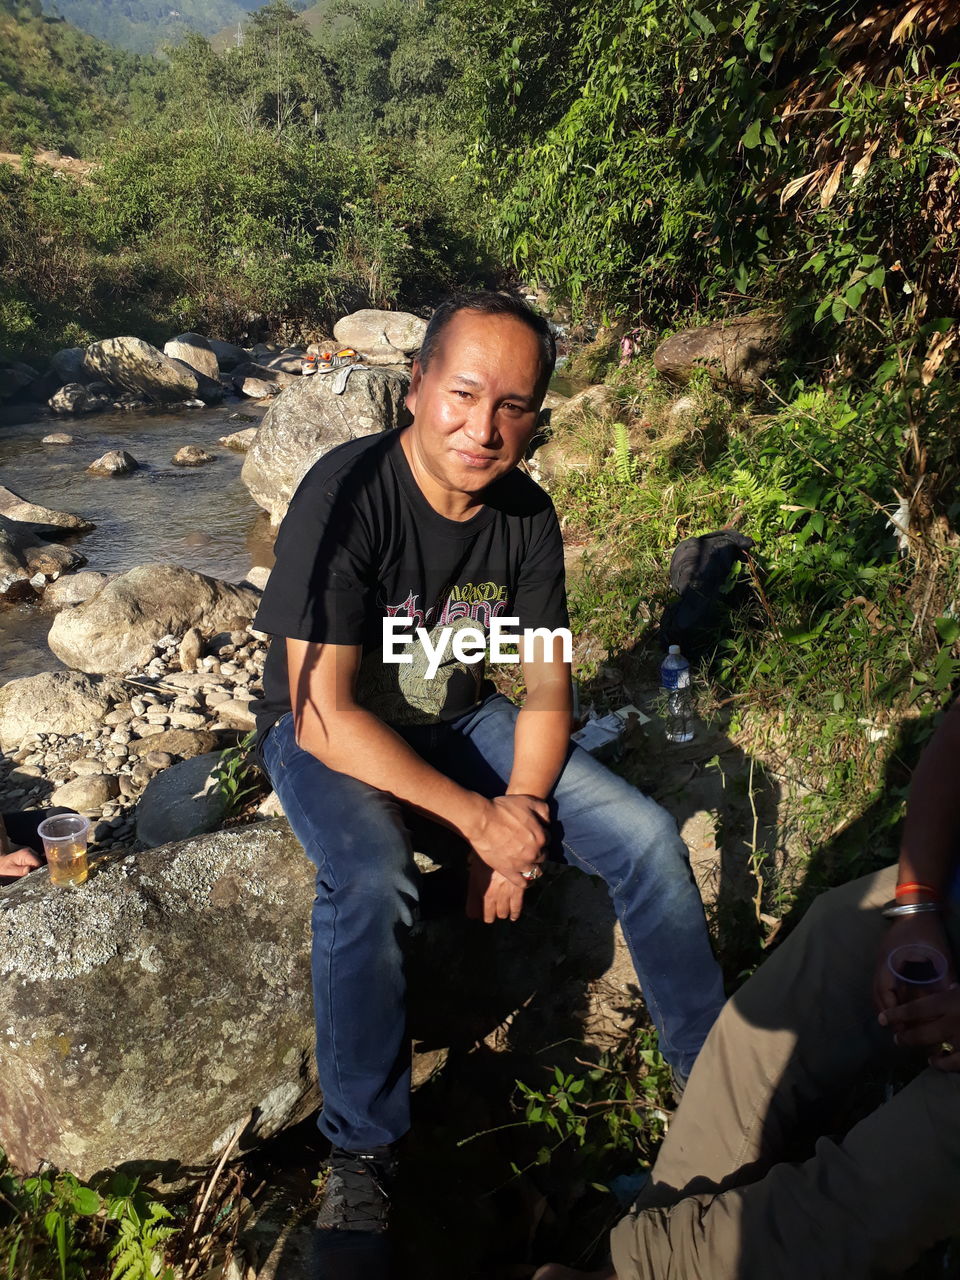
{"points": [[916, 888]]}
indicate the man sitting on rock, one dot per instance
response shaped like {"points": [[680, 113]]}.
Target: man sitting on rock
{"points": [[432, 526], [729, 1198]]}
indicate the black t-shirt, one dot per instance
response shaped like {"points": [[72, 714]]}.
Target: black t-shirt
{"points": [[360, 543]]}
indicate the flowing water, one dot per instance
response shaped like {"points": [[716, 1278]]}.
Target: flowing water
{"points": [[200, 517]]}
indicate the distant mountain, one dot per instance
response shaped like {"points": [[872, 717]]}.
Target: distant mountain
{"points": [[319, 19], [59, 87], [145, 25]]}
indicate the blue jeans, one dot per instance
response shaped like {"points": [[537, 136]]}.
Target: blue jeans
{"points": [[367, 894]]}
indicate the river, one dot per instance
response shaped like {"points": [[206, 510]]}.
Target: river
{"points": [[199, 517]]}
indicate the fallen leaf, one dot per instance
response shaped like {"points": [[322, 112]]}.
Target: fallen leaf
{"points": [[831, 185]]}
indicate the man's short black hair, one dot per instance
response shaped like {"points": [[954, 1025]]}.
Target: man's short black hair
{"points": [[489, 303]]}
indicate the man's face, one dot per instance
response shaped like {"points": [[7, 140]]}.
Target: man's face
{"points": [[475, 406]]}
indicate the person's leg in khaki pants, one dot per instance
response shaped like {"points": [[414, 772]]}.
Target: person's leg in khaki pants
{"points": [[720, 1207]]}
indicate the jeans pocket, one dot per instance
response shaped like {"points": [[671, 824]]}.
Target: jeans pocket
{"points": [[282, 740]]}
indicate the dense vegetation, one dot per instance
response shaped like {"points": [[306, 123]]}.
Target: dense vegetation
{"points": [[146, 25]]}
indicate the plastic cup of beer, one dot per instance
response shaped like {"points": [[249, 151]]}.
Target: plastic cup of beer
{"points": [[919, 969], [65, 844]]}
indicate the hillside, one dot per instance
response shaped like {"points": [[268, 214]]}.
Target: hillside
{"points": [[143, 26], [59, 87]]}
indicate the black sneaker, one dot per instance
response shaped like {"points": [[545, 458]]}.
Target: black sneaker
{"points": [[356, 1195]]}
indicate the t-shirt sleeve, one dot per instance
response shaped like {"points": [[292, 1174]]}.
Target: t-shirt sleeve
{"points": [[323, 580], [541, 597]]}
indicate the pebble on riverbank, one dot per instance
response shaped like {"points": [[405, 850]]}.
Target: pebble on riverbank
{"points": [[169, 715]]}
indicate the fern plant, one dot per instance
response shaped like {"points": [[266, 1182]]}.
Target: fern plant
{"points": [[624, 463], [143, 1231]]}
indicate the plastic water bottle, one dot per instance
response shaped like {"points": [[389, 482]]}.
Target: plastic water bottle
{"points": [[675, 682]]}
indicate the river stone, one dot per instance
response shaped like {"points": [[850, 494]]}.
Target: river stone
{"points": [[57, 702], [192, 350], [86, 795], [257, 388], [15, 377], [45, 520], [191, 647], [240, 441], [739, 352], [27, 562], [370, 331], [58, 437], [118, 629], [258, 575], [183, 801], [150, 1014], [185, 743], [115, 462], [137, 366], [308, 420], [228, 354], [75, 397], [67, 365], [74, 589], [191, 455]]}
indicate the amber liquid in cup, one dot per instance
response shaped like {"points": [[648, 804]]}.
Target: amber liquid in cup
{"points": [[65, 844], [69, 864]]}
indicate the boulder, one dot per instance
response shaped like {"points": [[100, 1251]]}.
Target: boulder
{"points": [[116, 632], [262, 373], [74, 589], [738, 352], [58, 437], [595, 401], [58, 702], [228, 354], [43, 519], [137, 366], [258, 388], [559, 458], [116, 462], [87, 794], [15, 378], [309, 420], [183, 801], [258, 575], [67, 365], [287, 362], [370, 331], [185, 743], [191, 455], [196, 352], [27, 562], [74, 397], [155, 1012], [240, 441]]}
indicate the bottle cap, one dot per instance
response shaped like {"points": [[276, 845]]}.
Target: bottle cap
{"points": [[674, 648]]}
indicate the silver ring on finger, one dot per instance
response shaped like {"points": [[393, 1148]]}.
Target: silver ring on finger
{"points": [[533, 874]]}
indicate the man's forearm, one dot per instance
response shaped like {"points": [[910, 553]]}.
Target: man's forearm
{"points": [[358, 743], [541, 742], [930, 847]]}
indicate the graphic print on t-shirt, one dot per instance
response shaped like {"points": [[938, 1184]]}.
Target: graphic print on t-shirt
{"points": [[403, 693]]}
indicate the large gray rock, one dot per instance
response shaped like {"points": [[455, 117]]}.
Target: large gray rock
{"points": [[370, 331], [249, 371], [193, 350], [228, 354], [596, 402], [27, 562], [182, 801], [738, 352], [15, 378], [139, 367], [149, 1015], [67, 365], [239, 441], [308, 420], [59, 702], [117, 630], [43, 519]]}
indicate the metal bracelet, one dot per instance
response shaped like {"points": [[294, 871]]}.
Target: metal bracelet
{"points": [[894, 909]]}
